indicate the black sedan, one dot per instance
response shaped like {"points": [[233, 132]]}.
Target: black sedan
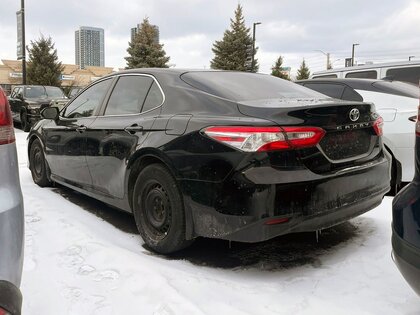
{"points": [[406, 225], [231, 155]]}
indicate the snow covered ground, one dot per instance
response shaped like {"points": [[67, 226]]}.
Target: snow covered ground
{"points": [[83, 257]]}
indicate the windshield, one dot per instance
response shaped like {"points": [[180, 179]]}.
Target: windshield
{"points": [[43, 92], [35, 92], [398, 88], [243, 86], [54, 92]]}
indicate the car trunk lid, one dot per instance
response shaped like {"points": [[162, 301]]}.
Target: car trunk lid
{"points": [[350, 136]]}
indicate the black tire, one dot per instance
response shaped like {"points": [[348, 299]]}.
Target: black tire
{"points": [[26, 126], [159, 210], [38, 165], [395, 186]]}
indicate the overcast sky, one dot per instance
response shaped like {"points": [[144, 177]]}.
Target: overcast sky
{"points": [[386, 30]]}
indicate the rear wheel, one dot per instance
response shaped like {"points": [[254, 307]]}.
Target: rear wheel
{"points": [[159, 210], [38, 165], [24, 121]]}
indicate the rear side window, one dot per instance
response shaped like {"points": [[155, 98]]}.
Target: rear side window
{"points": [[372, 74], [351, 95], [154, 98], [85, 104], [411, 74], [243, 86], [128, 95], [329, 89]]}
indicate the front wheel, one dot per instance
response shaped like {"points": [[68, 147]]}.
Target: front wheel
{"points": [[159, 210], [38, 165]]}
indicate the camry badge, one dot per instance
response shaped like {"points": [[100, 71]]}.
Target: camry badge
{"points": [[354, 114]]}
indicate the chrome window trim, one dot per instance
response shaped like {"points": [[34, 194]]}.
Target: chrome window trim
{"points": [[84, 89], [141, 113]]}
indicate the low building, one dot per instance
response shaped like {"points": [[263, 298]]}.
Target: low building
{"points": [[11, 74]]}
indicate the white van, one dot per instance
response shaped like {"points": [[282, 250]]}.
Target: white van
{"points": [[407, 71]]}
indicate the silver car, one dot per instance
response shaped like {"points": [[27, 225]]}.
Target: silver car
{"points": [[11, 215]]}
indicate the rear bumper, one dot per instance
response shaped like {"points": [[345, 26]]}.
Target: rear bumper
{"points": [[10, 298], [11, 217], [239, 209], [407, 258], [260, 231]]}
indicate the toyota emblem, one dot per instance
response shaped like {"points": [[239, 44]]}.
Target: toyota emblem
{"points": [[354, 114]]}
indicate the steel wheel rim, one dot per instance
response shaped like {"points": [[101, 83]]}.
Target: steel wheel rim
{"points": [[157, 210], [37, 162]]}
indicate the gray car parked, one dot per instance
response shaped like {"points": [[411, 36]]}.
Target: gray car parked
{"points": [[11, 215]]}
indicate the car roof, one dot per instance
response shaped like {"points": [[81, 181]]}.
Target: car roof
{"points": [[173, 71]]}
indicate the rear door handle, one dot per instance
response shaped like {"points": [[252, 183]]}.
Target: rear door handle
{"points": [[413, 118], [133, 129], [81, 129]]}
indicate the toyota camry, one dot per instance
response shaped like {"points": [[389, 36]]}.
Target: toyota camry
{"points": [[230, 155]]}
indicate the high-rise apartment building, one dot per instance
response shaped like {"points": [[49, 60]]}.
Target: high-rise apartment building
{"points": [[90, 48], [135, 30]]}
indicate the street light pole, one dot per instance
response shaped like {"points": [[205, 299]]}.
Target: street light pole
{"points": [[22, 8], [328, 57], [253, 45], [352, 54]]}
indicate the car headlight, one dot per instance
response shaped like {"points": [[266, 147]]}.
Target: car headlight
{"points": [[34, 109]]}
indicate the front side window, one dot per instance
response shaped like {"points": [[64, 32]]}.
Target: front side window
{"points": [[15, 92], [86, 103], [128, 95]]}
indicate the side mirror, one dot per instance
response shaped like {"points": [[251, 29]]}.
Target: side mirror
{"points": [[50, 113], [20, 96]]}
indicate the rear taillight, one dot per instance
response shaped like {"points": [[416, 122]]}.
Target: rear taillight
{"points": [[377, 125], [252, 139], [3, 312], [7, 134]]}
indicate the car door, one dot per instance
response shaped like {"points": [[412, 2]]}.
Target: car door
{"points": [[15, 101], [66, 137], [126, 121]]}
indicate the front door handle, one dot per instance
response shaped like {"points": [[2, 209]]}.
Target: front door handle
{"points": [[81, 129], [133, 129], [413, 118]]}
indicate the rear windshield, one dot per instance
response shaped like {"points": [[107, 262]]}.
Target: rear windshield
{"points": [[244, 86], [398, 88]]}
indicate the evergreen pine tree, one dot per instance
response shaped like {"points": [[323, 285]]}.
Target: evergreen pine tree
{"points": [[277, 69], [43, 65], [144, 51], [303, 72], [234, 51]]}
